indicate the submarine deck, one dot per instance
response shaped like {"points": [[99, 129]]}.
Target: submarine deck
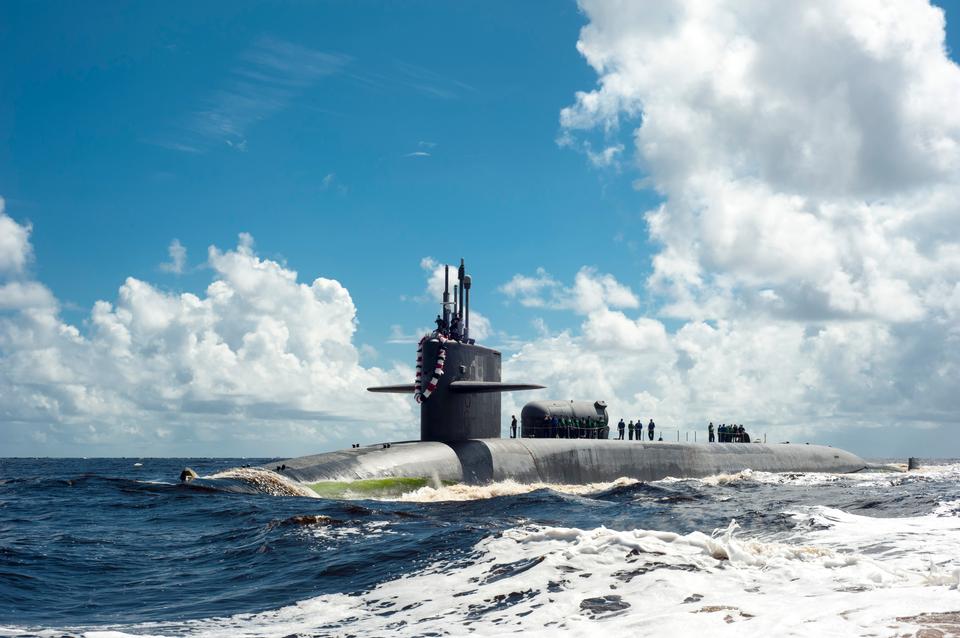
{"points": [[563, 461]]}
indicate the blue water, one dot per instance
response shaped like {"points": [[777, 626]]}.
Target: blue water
{"points": [[100, 542]]}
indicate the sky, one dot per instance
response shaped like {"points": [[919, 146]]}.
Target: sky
{"points": [[221, 222]]}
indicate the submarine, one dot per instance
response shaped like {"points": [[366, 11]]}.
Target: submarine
{"points": [[458, 388]]}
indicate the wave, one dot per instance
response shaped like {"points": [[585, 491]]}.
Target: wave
{"points": [[464, 492], [834, 573], [260, 480]]}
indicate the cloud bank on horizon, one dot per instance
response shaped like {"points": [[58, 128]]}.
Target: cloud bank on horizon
{"points": [[259, 364], [808, 156], [807, 270]]}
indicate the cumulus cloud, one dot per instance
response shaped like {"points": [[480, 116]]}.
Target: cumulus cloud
{"points": [[260, 363], [809, 150], [591, 290], [15, 250], [807, 156]]}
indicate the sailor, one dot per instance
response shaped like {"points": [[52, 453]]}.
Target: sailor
{"points": [[621, 427], [710, 432], [722, 432], [554, 427], [513, 426], [650, 428], [439, 321], [629, 429], [605, 427], [455, 328]]}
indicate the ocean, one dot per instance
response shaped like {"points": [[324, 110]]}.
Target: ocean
{"points": [[103, 548]]}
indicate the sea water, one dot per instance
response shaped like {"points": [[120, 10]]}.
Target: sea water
{"points": [[106, 547]]}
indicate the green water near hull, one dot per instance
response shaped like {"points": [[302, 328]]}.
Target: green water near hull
{"points": [[371, 488]]}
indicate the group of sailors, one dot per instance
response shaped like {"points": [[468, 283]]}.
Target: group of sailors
{"points": [[635, 430], [728, 433], [571, 427], [564, 427], [454, 331]]}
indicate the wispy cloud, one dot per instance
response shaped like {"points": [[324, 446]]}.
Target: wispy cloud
{"points": [[331, 182], [431, 83], [178, 258], [402, 75], [267, 77], [417, 154]]}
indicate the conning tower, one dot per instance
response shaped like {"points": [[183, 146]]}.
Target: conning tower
{"points": [[458, 382]]}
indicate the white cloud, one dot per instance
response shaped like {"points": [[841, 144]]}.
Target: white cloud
{"points": [[15, 249], [807, 149], [268, 76], [607, 157], [178, 258], [260, 363], [590, 291], [807, 155]]}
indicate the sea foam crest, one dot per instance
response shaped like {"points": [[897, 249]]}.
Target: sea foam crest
{"points": [[828, 576]]}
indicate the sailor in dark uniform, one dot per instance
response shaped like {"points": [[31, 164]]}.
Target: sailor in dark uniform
{"points": [[620, 428], [455, 328], [650, 428], [513, 427], [710, 431], [631, 427]]}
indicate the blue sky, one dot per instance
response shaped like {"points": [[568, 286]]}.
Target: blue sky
{"points": [[352, 140], [104, 101]]}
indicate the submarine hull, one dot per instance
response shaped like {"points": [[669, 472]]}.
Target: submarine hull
{"points": [[563, 461]]}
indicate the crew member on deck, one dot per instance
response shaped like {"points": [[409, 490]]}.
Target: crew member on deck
{"points": [[455, 328], [631, 427], [513, 427], [710, 432], [650, 428], [620, 428]]}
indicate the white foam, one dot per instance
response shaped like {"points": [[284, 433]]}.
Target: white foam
{"points": [[462, 492], [834, 574], [266, 481], [935, 473]]}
